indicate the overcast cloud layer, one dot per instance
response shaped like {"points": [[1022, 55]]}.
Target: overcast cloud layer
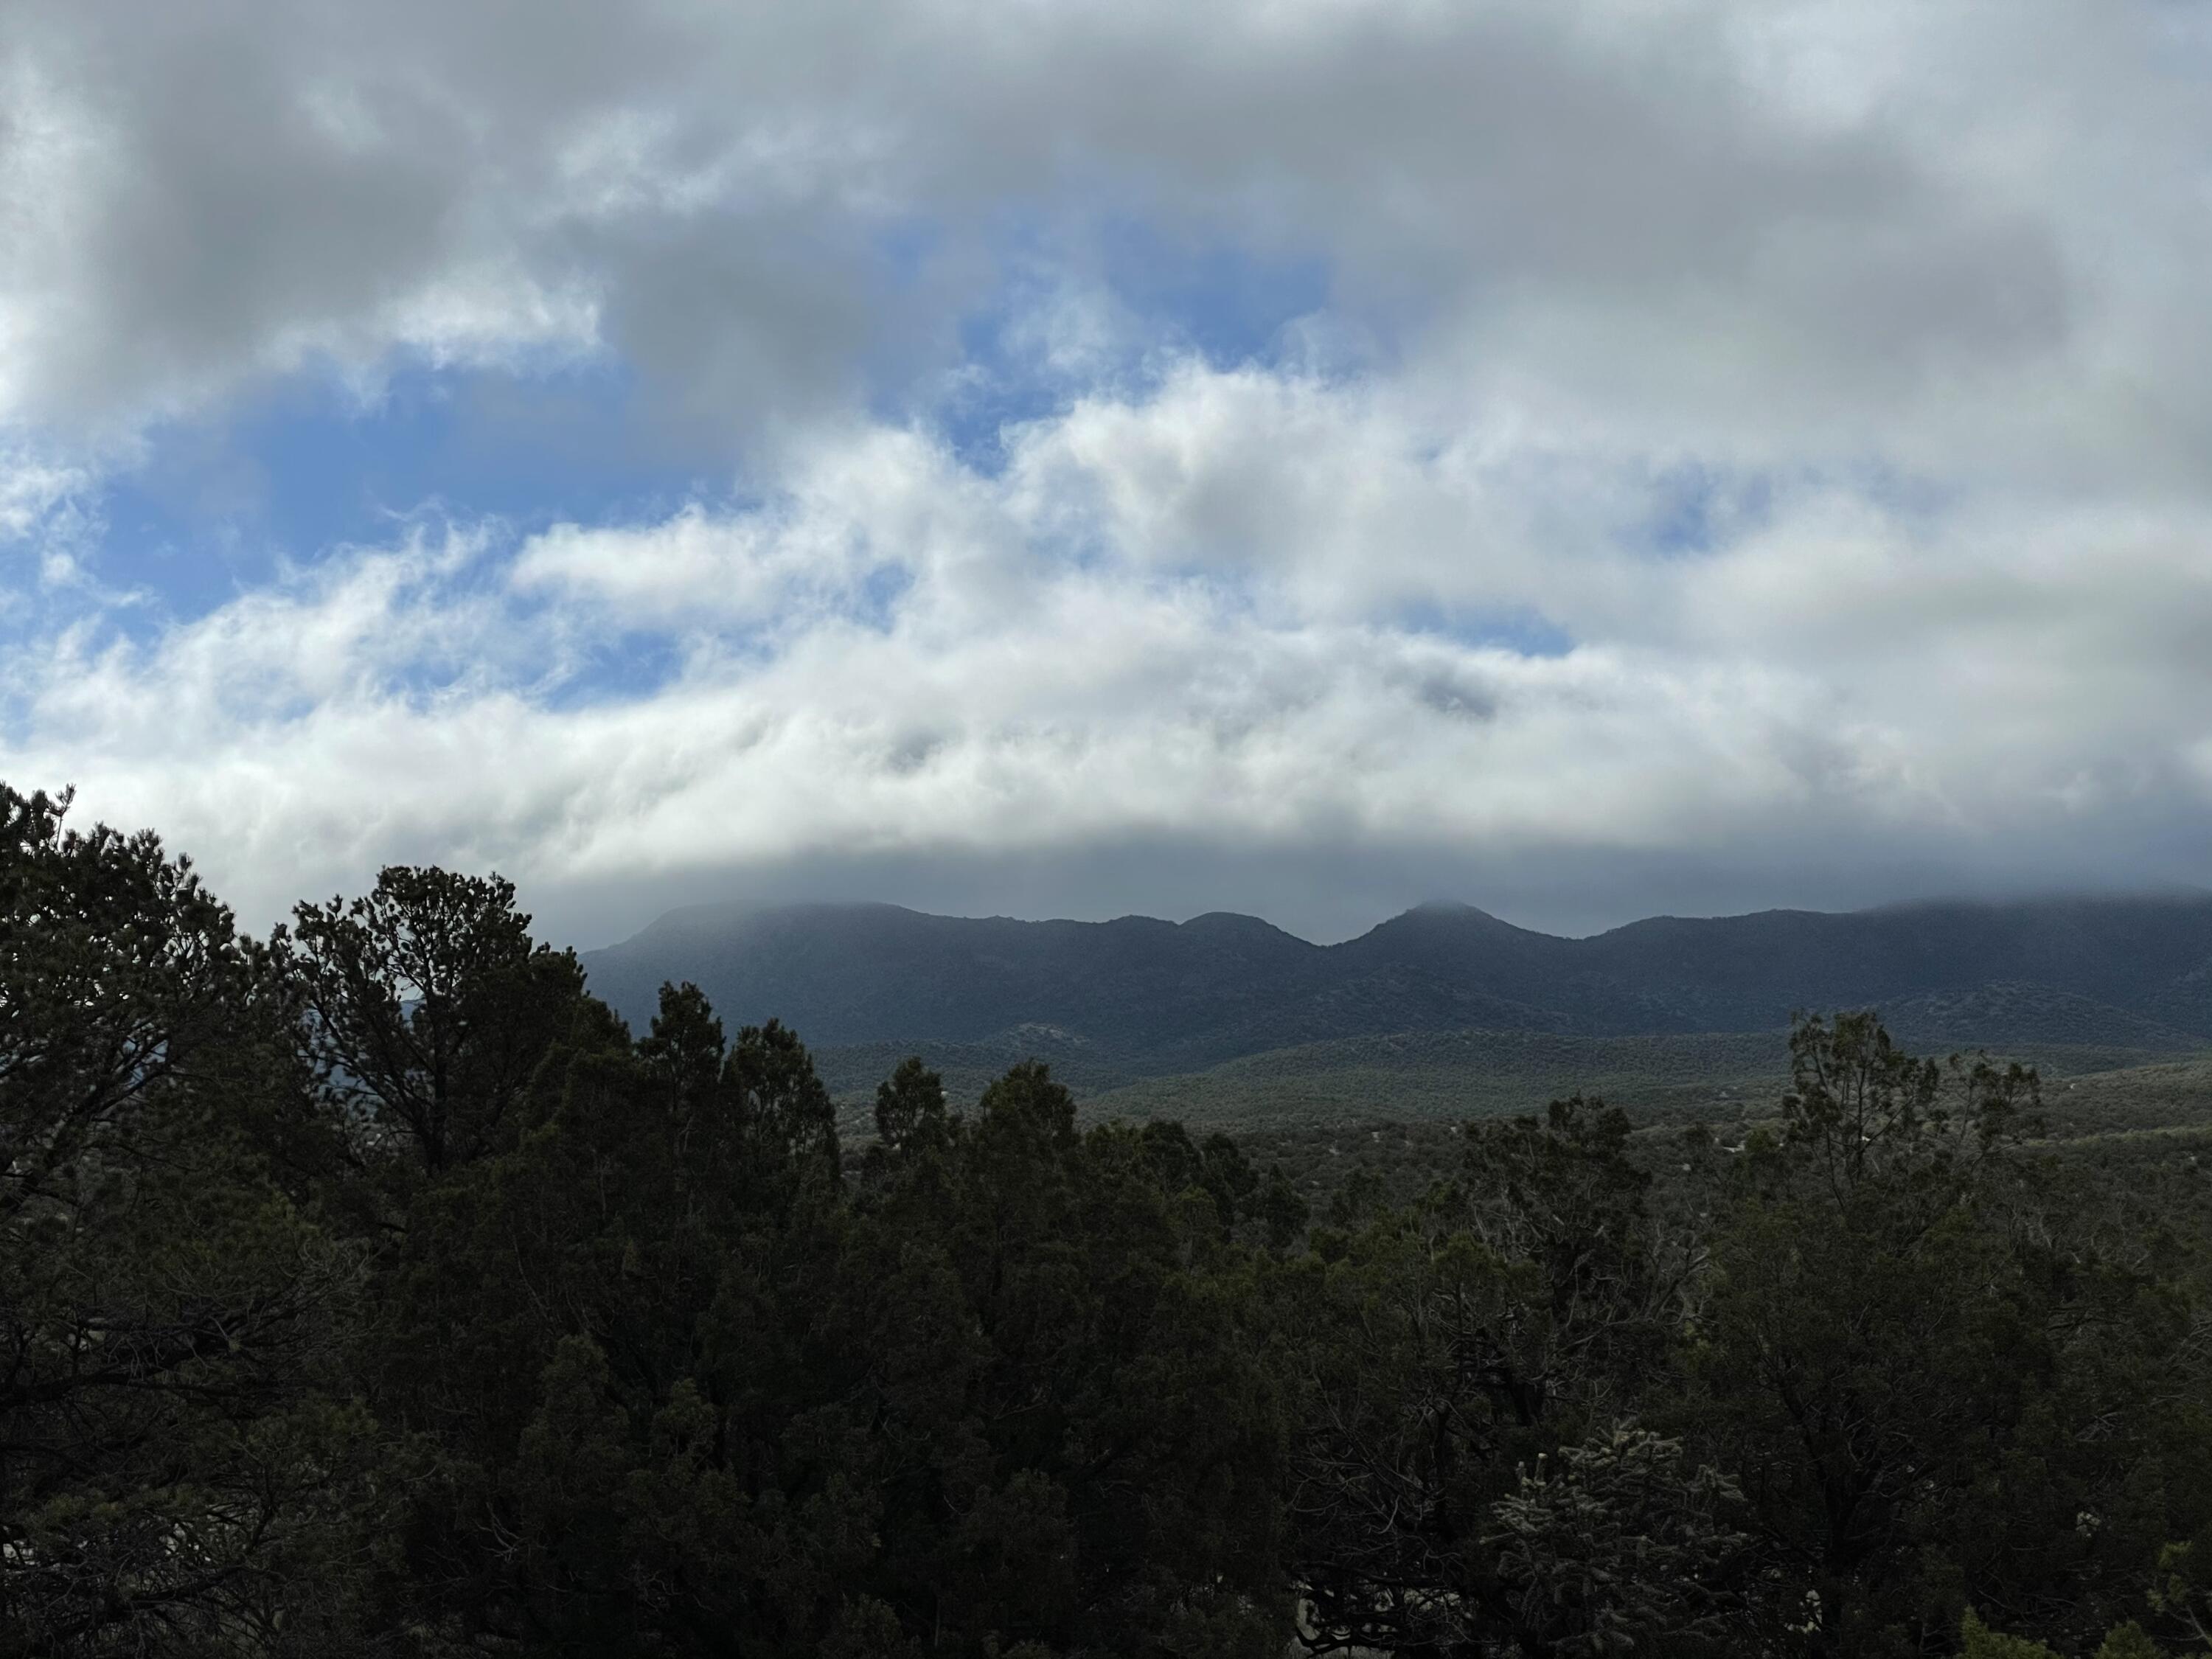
{"points": [[1296, 455]]}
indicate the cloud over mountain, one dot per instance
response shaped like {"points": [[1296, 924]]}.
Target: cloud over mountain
{"points": [[1596, 458]]}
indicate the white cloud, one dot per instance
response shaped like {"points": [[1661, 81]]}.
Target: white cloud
{"points": [[1073, 654], [1893, 315], [31, 490], [1719, 210]]}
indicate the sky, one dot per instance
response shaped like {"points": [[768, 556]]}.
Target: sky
{"points": [[1586, 458]]}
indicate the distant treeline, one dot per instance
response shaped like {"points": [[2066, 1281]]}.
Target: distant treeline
{"points": [[371, 1290]]}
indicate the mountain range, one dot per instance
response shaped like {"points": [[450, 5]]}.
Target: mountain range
{"points": [[1142, 997]]}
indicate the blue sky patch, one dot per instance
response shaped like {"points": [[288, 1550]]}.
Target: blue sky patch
{"points": [[306, 468], [1525, 632]]}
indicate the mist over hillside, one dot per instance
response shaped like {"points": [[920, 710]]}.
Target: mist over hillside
{"points": [[1142, 996]]}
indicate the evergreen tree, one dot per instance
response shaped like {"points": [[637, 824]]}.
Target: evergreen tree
{"points": [[181, 1457], [375, 1291]]}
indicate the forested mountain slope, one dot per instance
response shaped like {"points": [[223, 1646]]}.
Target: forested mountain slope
{"points": [[1158, 996]]}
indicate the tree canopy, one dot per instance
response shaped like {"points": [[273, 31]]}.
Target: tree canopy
{"points": [[372, 1289]]}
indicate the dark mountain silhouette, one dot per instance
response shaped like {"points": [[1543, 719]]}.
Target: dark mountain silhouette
{"points": [[1159, 996]]}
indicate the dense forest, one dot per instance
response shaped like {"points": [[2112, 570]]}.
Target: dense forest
{"points": [[371, 1289]]}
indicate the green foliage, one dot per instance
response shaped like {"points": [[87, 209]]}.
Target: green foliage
{"points": [[428, 1009], [1619, 1549], [1980, 1642], [1448, 1350], [176, 1454], [1001, 1393], [2182, 1589], [376, 1292], [2129, 1641], [1448, 1077], [1898, 1346]]}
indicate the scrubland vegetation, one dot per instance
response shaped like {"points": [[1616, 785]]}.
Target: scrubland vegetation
{"points": [[371, 1289]]}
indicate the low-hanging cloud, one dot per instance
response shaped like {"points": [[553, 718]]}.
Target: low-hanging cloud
{"points": [[1713, 438], [1037, 685]]}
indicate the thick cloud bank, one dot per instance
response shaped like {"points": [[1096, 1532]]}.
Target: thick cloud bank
{"points": [[1584, 459]]}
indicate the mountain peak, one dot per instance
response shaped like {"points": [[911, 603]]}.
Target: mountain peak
{"points": [[1159, 994], [1449, 908], [1451, 916]]}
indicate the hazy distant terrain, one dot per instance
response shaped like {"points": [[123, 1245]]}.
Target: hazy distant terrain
{"points": [[1456, 1074], [1442, 1011]]}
